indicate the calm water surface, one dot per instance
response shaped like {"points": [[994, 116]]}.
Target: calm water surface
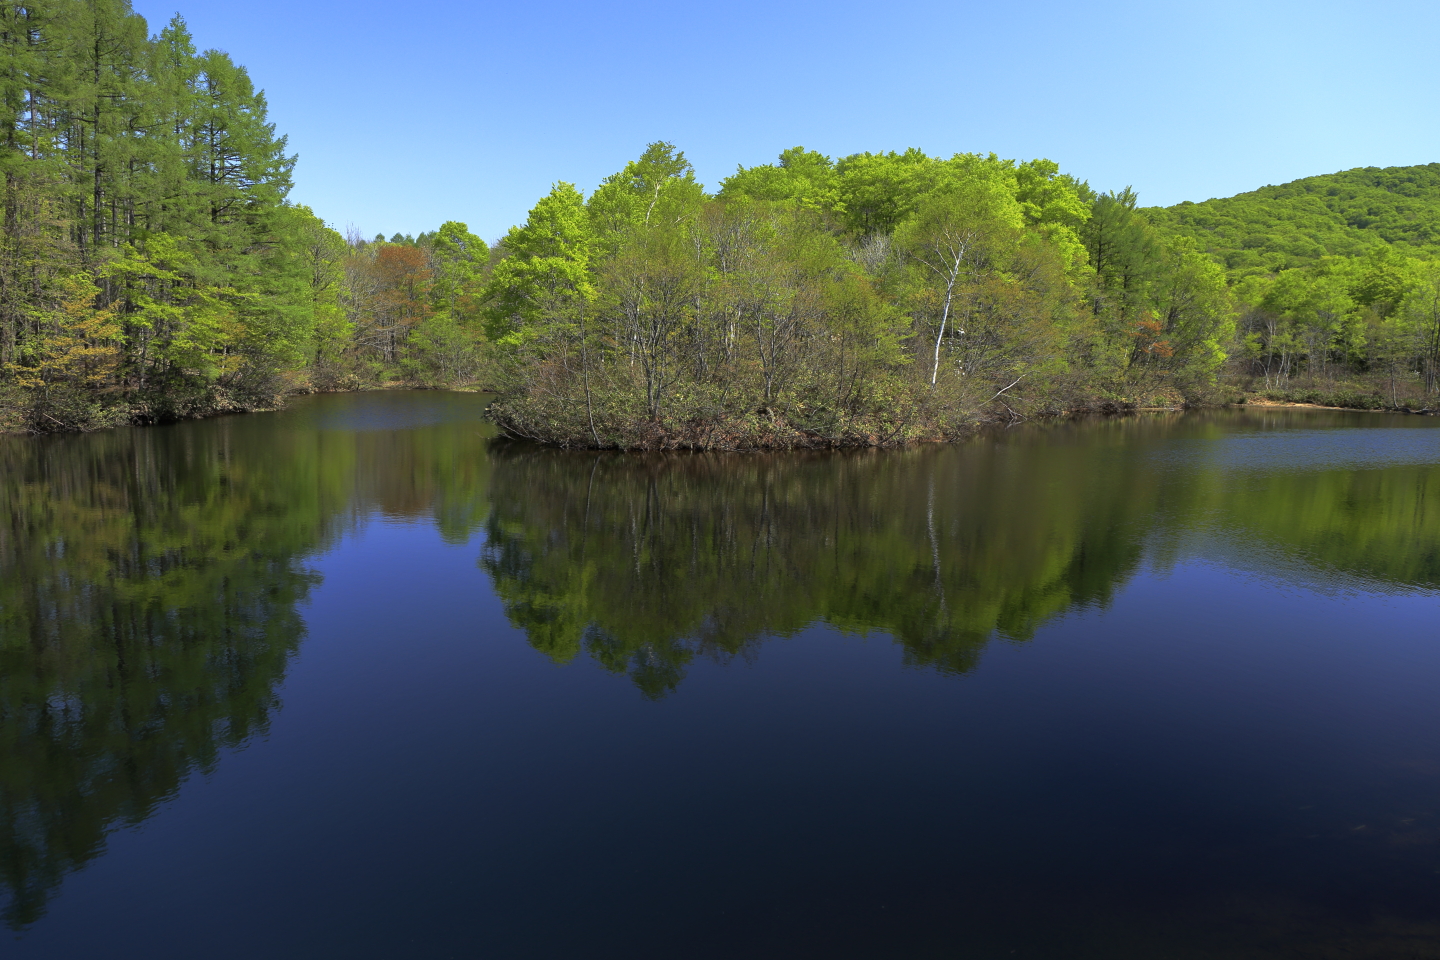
{"points": [[357, 680]]}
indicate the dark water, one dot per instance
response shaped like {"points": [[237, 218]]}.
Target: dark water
{"points": [[357, 681]]}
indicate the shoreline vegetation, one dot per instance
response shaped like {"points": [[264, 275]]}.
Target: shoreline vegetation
{"points": [[152, 269]]}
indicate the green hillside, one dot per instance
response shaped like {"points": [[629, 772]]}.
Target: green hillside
{"points": [[1294, 224]]}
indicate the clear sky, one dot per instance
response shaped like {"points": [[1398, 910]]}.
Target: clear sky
{"points": [[408, 115]]}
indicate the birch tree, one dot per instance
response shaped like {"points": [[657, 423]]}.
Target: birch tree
{"points": [[956, 231]]}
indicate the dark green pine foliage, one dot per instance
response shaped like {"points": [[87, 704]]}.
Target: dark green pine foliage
{"points": [[150, 265], [1121, 245]]}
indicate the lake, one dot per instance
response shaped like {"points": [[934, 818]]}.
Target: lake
{"points": [[359, 679]]}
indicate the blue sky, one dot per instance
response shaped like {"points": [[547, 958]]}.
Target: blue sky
{"points": [[407, 115]]}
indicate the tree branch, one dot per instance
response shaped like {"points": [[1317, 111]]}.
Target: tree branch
{"points": [[1003, 389]]}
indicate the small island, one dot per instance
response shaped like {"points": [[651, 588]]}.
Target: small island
{"points": [[885, 299]]}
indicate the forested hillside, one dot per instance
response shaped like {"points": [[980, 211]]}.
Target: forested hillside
{"points": [[1346, 214], [1335, 281]]}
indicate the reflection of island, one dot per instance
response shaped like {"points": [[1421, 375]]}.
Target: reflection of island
{"points": [[149, 584], [646, 561]]}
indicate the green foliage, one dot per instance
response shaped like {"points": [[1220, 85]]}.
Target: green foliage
{"points": [[1327, 274], [960, 230], [1346, 214], [1346, 399], [876, 190], [656, 189], [461, 259], [546, 266], [444, 352], [878, 299], [152, 168], [803, 176]]}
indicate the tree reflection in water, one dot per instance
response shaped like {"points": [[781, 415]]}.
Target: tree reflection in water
{"points": [[150, 581], [645, 562]]}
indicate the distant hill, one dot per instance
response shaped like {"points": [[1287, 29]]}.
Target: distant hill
{"points": [[1336, 214]]}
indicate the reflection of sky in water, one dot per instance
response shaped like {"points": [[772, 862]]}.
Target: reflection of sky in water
{"points": [[1343, 449], [1279, 567], [383, 410]]}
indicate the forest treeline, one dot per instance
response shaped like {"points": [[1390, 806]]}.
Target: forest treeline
{"points": [[1352, 213], [885, 297], [152, 268], [1334, 280]]}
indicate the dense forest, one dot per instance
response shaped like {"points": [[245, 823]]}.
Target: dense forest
{"points": [[1354, 213], [152, 268], [885, 297], [1335, 283], [877, 299], [150, 265]]}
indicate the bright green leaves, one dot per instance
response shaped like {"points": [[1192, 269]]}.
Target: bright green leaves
{"points": [[1192, 319], [292, 313], [876, 190], [1056, 206], [176, 325], [547, 267], [1327, 272], [460, 258], [961, 227], [965, 220], [806, 291], [1381, 280], [803, 176], [658, 188], [1414, 329], [1335, 313], [75, 343], [873, 193], [1295, 225]]}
